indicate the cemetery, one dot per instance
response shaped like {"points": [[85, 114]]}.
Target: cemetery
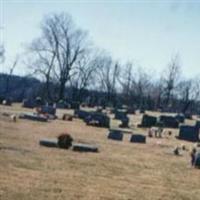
{"points": [[99, 100], [84, 146]]}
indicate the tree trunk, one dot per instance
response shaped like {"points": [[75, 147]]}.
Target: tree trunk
{"points": [[186, 106], [62, 90]]}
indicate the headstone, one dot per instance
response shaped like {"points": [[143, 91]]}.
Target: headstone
{"points": [[148, 121], [198, 124], [197, 160], [190, 133], [62, 105], [27, 103], [120, 114], [39, 101], [49, 142], [125, 122], [82, 114], [115, 135], [169, 121], [84, 147], [48, 109], [180, 118], [99, 119], [188, 115], [138, 139], [33, 117], [142, 111]]}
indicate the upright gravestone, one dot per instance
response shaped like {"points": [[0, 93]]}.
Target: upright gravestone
{"points": [[99, 119], [28, 103], [115, 135], [49, 110], [180, 118], [148, 121], [82, 114], [197, 124], [62, 104], [39, 101], [138, 139], [169, 121], [189, 133], [125, 122], [197, 160], [120, 114]]}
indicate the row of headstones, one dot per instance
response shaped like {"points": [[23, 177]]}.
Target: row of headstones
{"points": [[65, 141], [100, 119], [121, 114], [162, 121], [186, 132], [32, 103], [118, 135]]}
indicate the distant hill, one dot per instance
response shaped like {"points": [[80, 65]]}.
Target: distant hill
{"points": [[18, 87]]}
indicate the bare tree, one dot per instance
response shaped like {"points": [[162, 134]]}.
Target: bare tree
{"points": [[9, 75], [141, 87], [158, 91], [189, 93], [42, 65], [59, 48], [170, 78], [108, 73], [83, 75], [126, 80]]}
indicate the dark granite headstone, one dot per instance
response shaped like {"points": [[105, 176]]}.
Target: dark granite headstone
{"points": [[148, 121], [197, 160], [99, 119], [190, 133], [48, 109], [33, 117], [138, 139], [180, 118], [169, 121], [115, 135], [49, 142], [84, 147]]}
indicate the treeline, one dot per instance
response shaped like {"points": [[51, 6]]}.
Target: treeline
{"points": [[71, 67], [18, 88]]}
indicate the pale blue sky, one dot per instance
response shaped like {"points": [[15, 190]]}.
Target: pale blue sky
{"points": [[145, 32]]}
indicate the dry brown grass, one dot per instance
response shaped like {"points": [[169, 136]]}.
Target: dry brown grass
{"points": [[120, 171]]}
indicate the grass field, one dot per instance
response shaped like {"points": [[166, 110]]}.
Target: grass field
{"points": [[121, 170]]}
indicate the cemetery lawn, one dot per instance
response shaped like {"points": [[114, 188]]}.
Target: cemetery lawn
{"points": [[121, 170]]}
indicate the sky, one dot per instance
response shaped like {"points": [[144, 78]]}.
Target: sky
{"points": [[147, 33]]}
